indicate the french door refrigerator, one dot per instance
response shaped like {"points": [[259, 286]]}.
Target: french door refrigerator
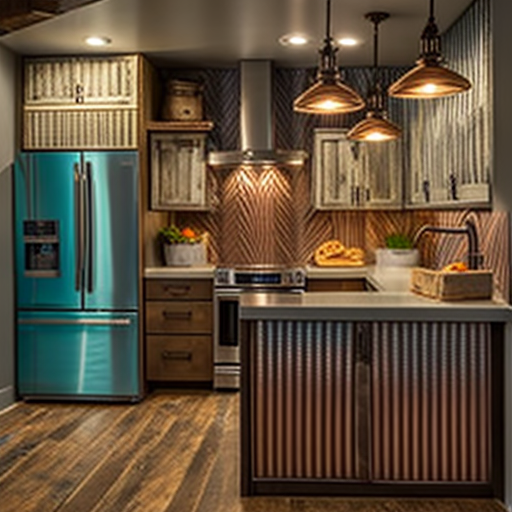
{"points": [[76, 231]]}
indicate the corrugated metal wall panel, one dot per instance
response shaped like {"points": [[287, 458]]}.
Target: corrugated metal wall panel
{"points": [[431, 401], [304, 403]]}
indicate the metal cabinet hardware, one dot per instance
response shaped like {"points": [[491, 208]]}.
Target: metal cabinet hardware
{"points": [[79, 91], [453, 187], [176, 290], [177, 315], [176, 355], [426, 190]]}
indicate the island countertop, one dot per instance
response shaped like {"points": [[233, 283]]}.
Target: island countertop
{"points": [[368, 306]]}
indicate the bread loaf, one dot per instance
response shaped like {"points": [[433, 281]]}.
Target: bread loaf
{"points": [[334, 254]]}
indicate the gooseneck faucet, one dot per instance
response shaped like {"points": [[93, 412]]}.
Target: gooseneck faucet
{"points": [[475, 259]]}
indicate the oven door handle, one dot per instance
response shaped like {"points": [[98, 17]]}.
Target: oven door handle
{"points": [[228, 294]]}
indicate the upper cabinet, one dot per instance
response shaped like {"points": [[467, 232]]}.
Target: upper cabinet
{"points": [[178, 171], [352, 175], [81, 80], [451, 138], [81, 103], [449, 160]]}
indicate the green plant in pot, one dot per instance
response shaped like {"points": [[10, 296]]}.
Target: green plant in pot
{"points": [[182, 247], [399, 252]]}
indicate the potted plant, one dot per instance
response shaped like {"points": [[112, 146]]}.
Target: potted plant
{"points": [[182, 247], [399, 252]]}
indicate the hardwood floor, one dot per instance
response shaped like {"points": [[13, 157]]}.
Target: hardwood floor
{"points": [[174, 452]]}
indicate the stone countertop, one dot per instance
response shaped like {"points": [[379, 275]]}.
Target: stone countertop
{"points": [[192, 272], [369, 306], [391, 302]]}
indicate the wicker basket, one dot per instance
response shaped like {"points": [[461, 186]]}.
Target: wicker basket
{"points": [[183, 102], [436, 284]]}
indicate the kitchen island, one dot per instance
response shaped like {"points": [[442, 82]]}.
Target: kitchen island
{"points": [[372, 394]]}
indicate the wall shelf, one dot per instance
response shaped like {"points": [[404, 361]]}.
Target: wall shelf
{"points": [[179, 126]]}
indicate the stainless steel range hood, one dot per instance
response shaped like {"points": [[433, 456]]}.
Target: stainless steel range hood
{"points": [[256, 123]]}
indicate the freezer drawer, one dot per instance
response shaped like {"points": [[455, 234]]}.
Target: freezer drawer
{"points": [[79, 355]]}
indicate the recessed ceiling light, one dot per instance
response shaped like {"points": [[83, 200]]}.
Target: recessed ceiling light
{"points": [[98, 41], [348, 41], [293, 40]]}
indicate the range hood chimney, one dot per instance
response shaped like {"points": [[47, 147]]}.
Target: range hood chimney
{"points": [[256, 123]]}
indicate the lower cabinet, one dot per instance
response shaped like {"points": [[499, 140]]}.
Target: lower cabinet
{"points": [[179, 358], [179, 327], [372, 408]]}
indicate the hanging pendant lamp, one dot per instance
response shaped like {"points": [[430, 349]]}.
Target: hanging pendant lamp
{"points": [[429, 79], [375, 127], [328, 95]]}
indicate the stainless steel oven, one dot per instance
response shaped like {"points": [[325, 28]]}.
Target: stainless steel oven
{"points": [[230, 284]]}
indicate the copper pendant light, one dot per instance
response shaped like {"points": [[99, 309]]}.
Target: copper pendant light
{"points": [[328, 95], [375, 127], [429, 79]]}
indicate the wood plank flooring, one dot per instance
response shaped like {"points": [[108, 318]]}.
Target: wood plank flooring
{"points": [[174, 452]]}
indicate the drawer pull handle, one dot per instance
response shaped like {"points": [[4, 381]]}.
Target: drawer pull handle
{"points": [[177, 315], [176, 291], [176, 355]]}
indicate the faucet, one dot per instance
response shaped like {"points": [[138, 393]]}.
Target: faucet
{"points": [[475, 259]]}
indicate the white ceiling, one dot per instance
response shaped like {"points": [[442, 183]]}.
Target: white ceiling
{"points": [[222, 32]]}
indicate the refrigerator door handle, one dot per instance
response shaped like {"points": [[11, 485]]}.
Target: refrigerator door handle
{"points": [[79, 226], [60, 321], [90, 227]]}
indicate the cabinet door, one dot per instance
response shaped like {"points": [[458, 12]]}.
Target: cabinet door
{"points": [[50, 81], [108, 80], [431, 402], [75, 81], [178, 172], [382, 172], [335, 168]]}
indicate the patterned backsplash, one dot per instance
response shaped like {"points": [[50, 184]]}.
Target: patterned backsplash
{"points": [[264, 216]]}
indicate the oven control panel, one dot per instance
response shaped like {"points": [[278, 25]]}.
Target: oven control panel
{"points": [[260, 278]]}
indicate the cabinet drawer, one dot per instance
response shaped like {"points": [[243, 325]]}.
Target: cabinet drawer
{"points": [[162, 289], [179, 358], [179, 317]]}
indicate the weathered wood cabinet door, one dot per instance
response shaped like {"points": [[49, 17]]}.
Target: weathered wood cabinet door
{"points": [[450, 164], [81, 80], [381, 176], [178, 171], [335, 168], [353, 175]]}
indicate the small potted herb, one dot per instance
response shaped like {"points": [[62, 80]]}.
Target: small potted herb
{"points": [[399, 252], [182, 247]]}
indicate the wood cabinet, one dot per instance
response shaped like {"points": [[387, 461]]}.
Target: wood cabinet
{"points": [[75, 81], [450, 167], [353, 175], [179, 327], [178, 171], [81, 102]]}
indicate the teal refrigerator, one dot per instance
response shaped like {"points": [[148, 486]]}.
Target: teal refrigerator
{"points": [[76, 228]]}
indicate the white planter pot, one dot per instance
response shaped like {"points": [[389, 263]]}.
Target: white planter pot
{"points": [[184, 255], [397, 257]]}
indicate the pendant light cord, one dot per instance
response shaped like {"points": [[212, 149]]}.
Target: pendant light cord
{"points": [[376, 74], [431, 10], [328, 22]]}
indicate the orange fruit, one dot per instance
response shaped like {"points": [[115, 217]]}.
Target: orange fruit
{"points": [[458, 266], [189, 233]]}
